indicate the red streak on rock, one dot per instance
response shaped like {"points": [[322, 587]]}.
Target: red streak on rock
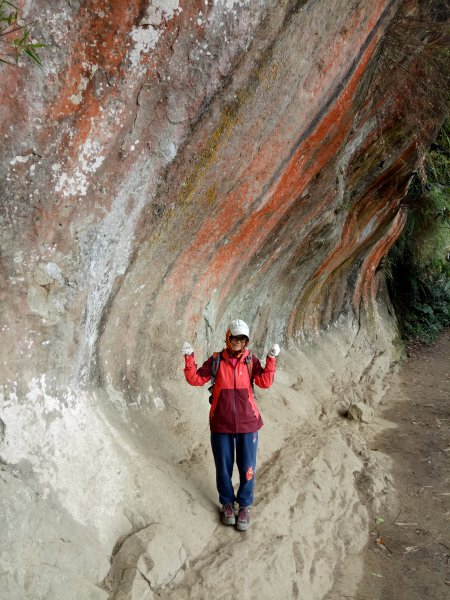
{"points": [[101, 41], [317, 150], [367, 284], [367, 214], [105, 43], [368, 208]]}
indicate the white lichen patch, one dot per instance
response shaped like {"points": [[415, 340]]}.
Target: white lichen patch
{"points": [[231, 5], [145, 39], [146, 35], [89, 160], [20, 159]]}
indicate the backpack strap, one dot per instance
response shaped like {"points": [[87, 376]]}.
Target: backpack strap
{"points": [[214, 370], [215, 367], [249, 362]]}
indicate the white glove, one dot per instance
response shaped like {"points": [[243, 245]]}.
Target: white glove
{"points": [[274, 351], [187, 348]]}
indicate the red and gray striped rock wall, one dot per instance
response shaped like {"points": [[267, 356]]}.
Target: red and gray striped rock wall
{"points": [[174, 165]]}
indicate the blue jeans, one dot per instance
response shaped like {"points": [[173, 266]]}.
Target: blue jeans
{"points": [[223, 447]]}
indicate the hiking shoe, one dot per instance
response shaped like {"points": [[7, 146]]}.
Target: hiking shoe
{"points": [[243, 520], [228, 517]]}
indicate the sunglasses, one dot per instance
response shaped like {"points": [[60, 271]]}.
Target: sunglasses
{"points": [[238, 338]]}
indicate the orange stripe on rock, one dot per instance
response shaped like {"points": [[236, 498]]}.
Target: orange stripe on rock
{"points": [[228, 261], [333, 128], [366, 288], [102, 42]]}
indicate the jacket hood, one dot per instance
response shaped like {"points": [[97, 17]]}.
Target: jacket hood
{"points": [[230, 349]]}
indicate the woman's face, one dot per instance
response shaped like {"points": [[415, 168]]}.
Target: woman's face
{"points": [[237, 342]]}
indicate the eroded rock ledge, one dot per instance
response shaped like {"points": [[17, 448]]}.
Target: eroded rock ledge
{"points": [[173, 165]]}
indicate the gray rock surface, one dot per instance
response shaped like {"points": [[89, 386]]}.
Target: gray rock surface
{"points": [[173, 166]]}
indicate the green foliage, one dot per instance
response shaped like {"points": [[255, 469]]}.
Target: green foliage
{"points": [[15, 36], [418, 266]]}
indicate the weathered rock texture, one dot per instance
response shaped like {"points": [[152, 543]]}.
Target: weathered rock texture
{"points": [[174, 165]]}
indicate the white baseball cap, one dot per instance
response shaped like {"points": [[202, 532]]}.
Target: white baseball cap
{"points": [[238, 327]]}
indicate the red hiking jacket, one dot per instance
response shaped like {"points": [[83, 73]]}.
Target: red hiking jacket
{"points": [[233, 409]]}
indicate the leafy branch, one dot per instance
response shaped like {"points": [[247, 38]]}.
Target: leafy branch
{"points": [[15, 36]]}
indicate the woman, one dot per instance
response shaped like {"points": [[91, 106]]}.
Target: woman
{"points": [[234, 416]]}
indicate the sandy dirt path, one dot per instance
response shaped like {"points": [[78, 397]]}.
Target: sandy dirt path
{"points": [[408, 554]]}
